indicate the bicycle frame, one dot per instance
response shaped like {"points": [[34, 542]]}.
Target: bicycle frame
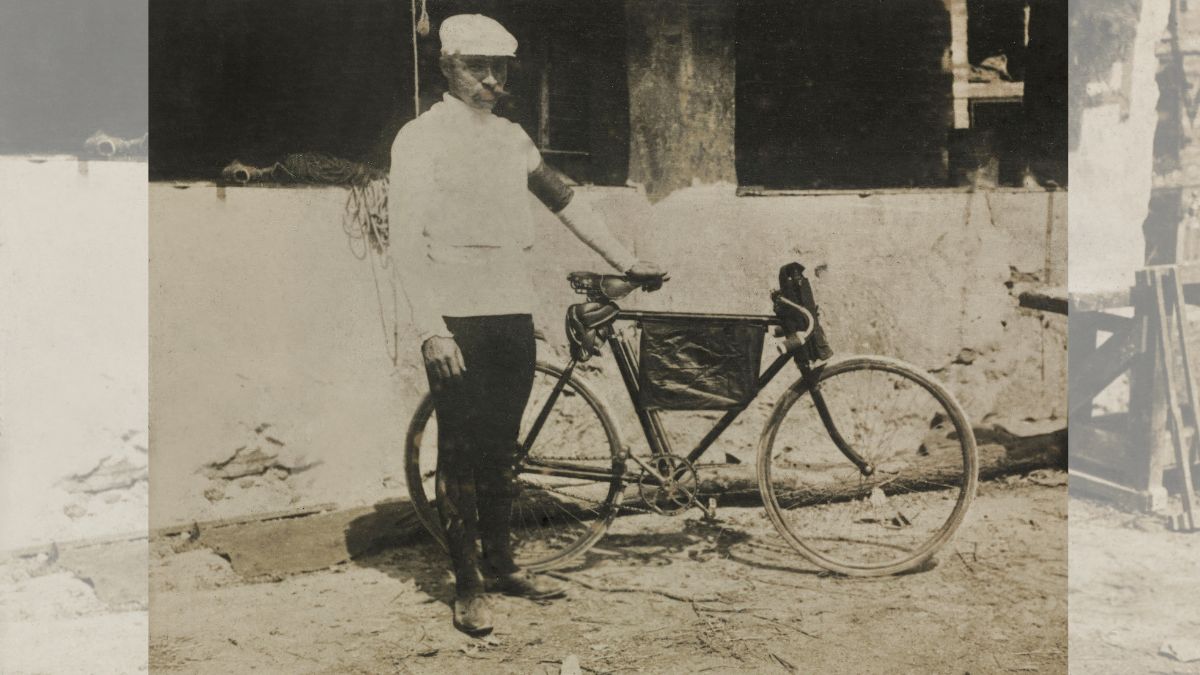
{"points": [[651, 424]]}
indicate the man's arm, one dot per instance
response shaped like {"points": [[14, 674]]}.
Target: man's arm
{"points": [[406, 182], [577, 215]]}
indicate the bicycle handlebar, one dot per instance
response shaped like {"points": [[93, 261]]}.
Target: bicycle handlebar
{"points": [[609, 286], [809, 321]]}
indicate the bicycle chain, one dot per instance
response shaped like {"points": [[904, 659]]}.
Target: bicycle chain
{"points": [[624, 504], [606, 458]]}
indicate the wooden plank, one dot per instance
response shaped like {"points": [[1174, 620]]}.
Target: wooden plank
{"points": [[1147, 407], [1012, 91], [1045, 300], [959, 64], [1082, 353], [73, 544], [1098, 321], [1168, 359], [1101, 451], [1094, 302], [1184, 454], [1100, 367], [1189, 272], [1084, 484], [297, 512]]}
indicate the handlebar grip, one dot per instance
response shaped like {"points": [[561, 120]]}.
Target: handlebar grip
{"points": [[809, 321]]}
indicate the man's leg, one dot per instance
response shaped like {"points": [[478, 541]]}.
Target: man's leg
{"points": [[510, 381], [457, 404], [457, 507], [513, 354]]}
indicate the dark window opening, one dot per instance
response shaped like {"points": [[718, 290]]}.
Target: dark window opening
{"points": [[257, 81], [997, 32], [915, 93], [570, 90], [852, 94], [1017, 88]]}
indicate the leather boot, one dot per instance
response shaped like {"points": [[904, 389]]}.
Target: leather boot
{"points": [[525, 584], [496, 493], [472, 614], [457, 510]]}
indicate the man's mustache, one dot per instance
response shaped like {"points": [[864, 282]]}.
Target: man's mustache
{"points": [[498, 90]]}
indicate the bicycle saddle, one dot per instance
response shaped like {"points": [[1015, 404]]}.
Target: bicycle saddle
{"points": [[600, 287]]}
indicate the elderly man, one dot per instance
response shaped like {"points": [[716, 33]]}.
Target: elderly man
{"points": [[463, 238]]}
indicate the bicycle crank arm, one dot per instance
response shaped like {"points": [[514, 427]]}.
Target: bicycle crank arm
{"points": [[650, 472]]}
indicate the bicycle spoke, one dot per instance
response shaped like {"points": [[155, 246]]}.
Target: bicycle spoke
{"points": [[554, 517], [849, 522]]}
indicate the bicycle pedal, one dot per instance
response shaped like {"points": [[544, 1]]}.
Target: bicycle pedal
{"points": [[710, 511]]}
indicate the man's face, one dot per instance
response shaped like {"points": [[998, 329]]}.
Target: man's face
{"points": [[477, 81]]}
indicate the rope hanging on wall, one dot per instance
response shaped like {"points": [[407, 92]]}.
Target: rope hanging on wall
{"points": [[365, 223], [420, 25], [365, 220], [423, 23]]}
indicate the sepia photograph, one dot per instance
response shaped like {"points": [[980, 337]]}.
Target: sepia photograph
{"points": [[539, 336], [532, 336]]}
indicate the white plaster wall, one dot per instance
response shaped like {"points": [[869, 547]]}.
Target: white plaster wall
{"points": [[73, 344], [260, 314], [1112, 168]]}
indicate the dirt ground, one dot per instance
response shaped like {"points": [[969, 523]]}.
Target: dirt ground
{"points": [[660, 595], [1132, 593], [75, 608]]}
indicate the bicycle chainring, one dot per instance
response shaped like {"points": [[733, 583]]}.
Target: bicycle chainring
{"points": [[674, 490]]}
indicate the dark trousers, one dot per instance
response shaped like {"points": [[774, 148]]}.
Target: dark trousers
{"points": [[479, 419]]}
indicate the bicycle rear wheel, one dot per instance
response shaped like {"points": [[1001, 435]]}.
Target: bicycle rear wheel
{"points": [[907, 427], [554, 518]]}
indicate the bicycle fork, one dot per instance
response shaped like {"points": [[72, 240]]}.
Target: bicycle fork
{"points": [[814, 390]]}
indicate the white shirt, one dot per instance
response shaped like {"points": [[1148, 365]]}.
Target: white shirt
{"points": [[458, 212]]}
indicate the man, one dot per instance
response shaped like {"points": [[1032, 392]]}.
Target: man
{"points": [[463, 236]]}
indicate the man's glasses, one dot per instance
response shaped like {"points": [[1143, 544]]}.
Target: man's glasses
{"points": [[481, 66]]}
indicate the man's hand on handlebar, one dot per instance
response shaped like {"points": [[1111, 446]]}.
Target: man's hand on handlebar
{"points": [[647, 275], [443, 360]]}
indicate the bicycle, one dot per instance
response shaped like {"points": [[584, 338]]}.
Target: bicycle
{"points": [[847, 502]]}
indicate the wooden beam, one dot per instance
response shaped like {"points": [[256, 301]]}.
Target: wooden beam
{"points": [[1101, 300], [1166, 336], [1045, 300], [1184, 456], [1098, 321], [1082, 335], [1088, 485], [1103, 452], [960, 66], [1189, 272], [1147, 402], [1103, 366]]}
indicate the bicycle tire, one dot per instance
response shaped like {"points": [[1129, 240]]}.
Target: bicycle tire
{"points": [[947, 436], [420, 488]]}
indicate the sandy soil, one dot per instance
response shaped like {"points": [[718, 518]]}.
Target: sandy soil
{"points": [[1132, 593], [76, 609], [662, 595]]}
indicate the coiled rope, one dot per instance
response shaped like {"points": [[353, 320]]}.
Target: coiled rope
{"points": [[365, 221]]}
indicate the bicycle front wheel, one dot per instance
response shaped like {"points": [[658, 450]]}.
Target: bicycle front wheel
{"points": [[569, 488], [920, 455]]}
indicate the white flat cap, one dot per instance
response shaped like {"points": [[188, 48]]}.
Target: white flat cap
{"points": [[476, 35]]}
